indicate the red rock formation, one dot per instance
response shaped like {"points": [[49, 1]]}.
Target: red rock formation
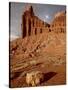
{"points": [[31, 24], [59, 23]]}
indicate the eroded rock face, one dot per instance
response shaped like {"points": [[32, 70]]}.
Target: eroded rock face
{"points": [[31, 24], [58, 25], [34, 78]]}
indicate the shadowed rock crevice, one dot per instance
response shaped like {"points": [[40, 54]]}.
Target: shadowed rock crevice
{"points": [[49, 75]]}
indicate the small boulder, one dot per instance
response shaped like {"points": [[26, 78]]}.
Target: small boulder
{"points": [[34, 78]]}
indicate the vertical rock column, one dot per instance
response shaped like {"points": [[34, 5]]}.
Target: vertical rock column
{"points": [[27, 26], [23, 26], [32, 26]]}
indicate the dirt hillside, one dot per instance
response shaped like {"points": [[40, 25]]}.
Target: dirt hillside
{"points": [[44, 52]]}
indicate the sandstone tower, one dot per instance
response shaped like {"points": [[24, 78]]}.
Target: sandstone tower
{"points": [[31, 24]]}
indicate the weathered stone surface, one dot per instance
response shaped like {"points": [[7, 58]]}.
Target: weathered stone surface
{"points": [[34, 78], [32, 25], [59, 23]]}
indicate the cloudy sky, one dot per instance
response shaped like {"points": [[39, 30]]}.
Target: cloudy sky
{"points": [[45, 12]]}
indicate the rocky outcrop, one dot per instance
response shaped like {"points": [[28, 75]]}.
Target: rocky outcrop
{"points": [[31, 24], [59, 23], [34, 78]]}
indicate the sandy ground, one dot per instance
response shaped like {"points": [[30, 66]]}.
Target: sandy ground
{"points": [[47, 55]]}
